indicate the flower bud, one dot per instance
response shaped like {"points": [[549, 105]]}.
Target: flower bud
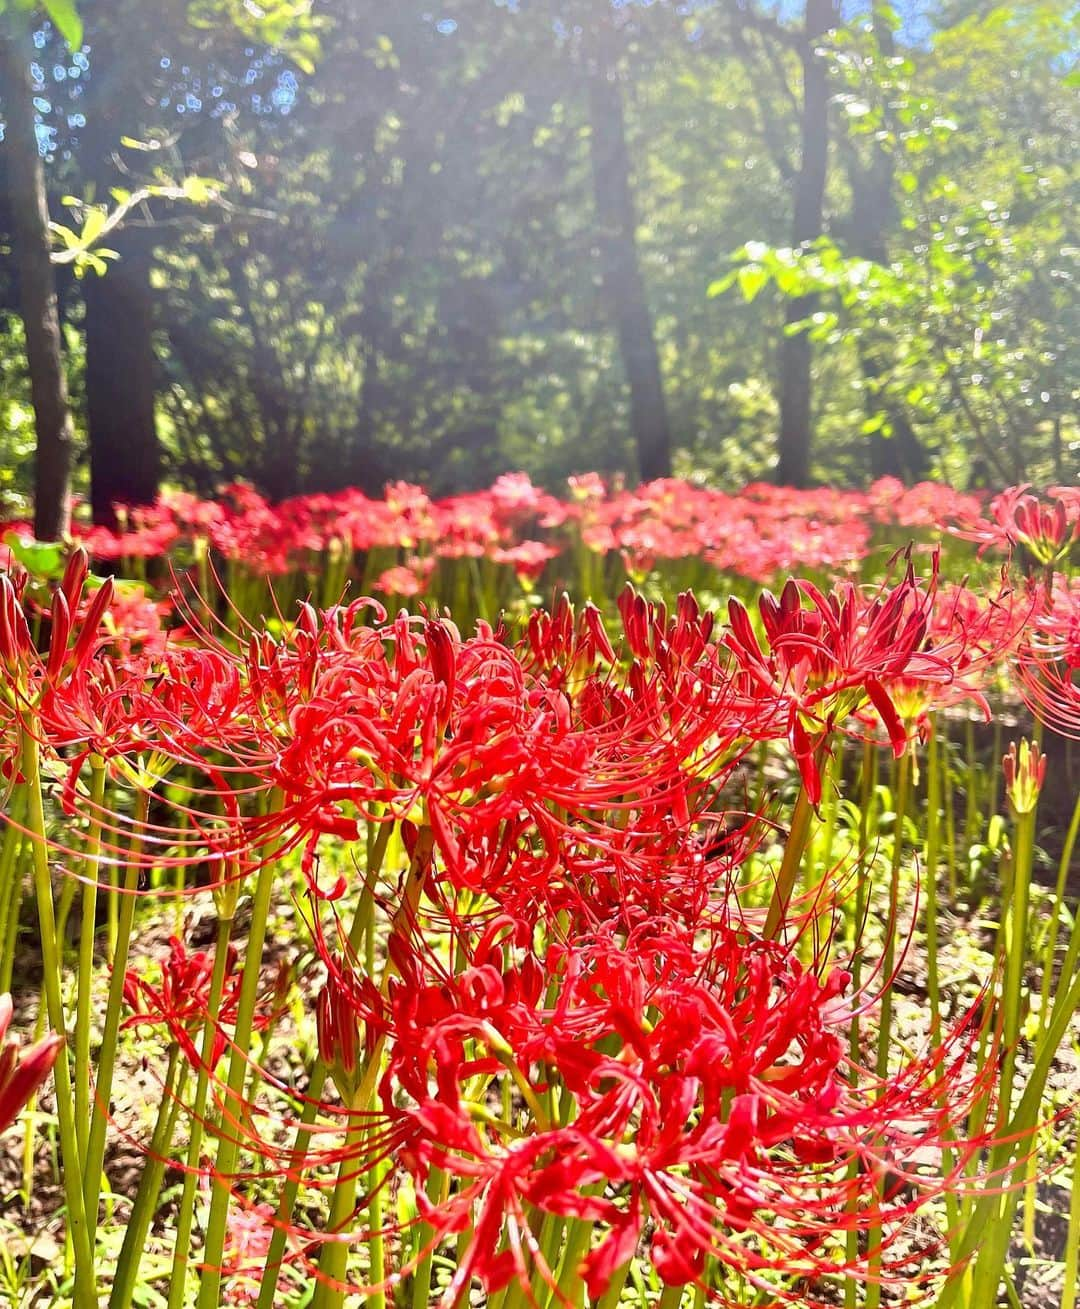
{"points": [[21, 1071], [1024, 771], [339, 1038]]}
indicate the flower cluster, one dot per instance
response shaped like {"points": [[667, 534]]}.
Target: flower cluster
{"points": [[568, 1011]]}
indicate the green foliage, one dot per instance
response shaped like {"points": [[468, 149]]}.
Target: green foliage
{"points": [[400, 276]]}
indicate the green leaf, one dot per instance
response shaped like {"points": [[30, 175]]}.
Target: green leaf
{"points": [[752, 278], [200, 190], [721, 285], [66, 20], [43, 560], [69, 237], [95, 221]]}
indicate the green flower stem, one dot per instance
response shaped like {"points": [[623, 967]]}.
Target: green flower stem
{"points": [[87, 934], [84, 1295], [146, 1198], [228, 1154], [186, 1215], [438, 1185], [670, 1298], [578, 1241], [972, 817], [1072, 1243], [799, 835], [932, 856], [519, 1294], [901, 802], [334, 1259], [99, 1119], [376, 1244], [1055, 918], [985, 1238], [950, 809], [1015, 957], [291, 1189], [834, 773], [333, 1262], [932, 861], [11, 850], [868, 783], [1015, 942], [612, 1296], [29, 1136], [358, 933]]}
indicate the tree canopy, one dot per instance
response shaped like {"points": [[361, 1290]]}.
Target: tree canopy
{"points": [[362, 241]]}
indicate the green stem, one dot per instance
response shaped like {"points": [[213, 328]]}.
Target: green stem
{"points": [[334, 1259], [866, 799], [1072, 1243], [578, 1240], [950, 811], [376, 1298], [359, 930], [232, 1104], [987, 1231], [87, 934], [971, 816], [95, 1149], [798, 837], [884, 1036], [437, 1187], [612, 1296], [1015, 940], [933, 852], [146, 1198], [186, 1215], [1055, 918], [333, 1262], [85, 1294], [11, 886]]}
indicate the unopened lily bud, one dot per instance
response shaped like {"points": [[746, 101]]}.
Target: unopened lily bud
{"points": [[14, 634], [339, 1039], [1024, 771], [21, 1071], [75, 575]]}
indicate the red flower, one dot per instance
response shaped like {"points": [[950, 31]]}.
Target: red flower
{"points": [[180, 1000], [823, 661]]}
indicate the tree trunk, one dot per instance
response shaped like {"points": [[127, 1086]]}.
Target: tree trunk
{"points": [[873, 210], [622, 280], [125, 460], [37, 289], [796, 423]]}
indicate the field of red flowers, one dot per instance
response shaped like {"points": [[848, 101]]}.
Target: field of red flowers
{"points": [[635, 897]]}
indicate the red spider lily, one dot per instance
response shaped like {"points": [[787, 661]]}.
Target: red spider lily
{"points": [[21, 1071], [482, 735], [970, 636], [179, 1000], [1048, 660], [821, 663], [1046, 530], [247, 1243], [527, 558], [704, 1090]]}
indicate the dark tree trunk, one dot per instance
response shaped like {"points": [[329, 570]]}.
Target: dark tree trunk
{"points": [[873, 210], [622, 280], [37, 290], [796, 421], [125, 460]]}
